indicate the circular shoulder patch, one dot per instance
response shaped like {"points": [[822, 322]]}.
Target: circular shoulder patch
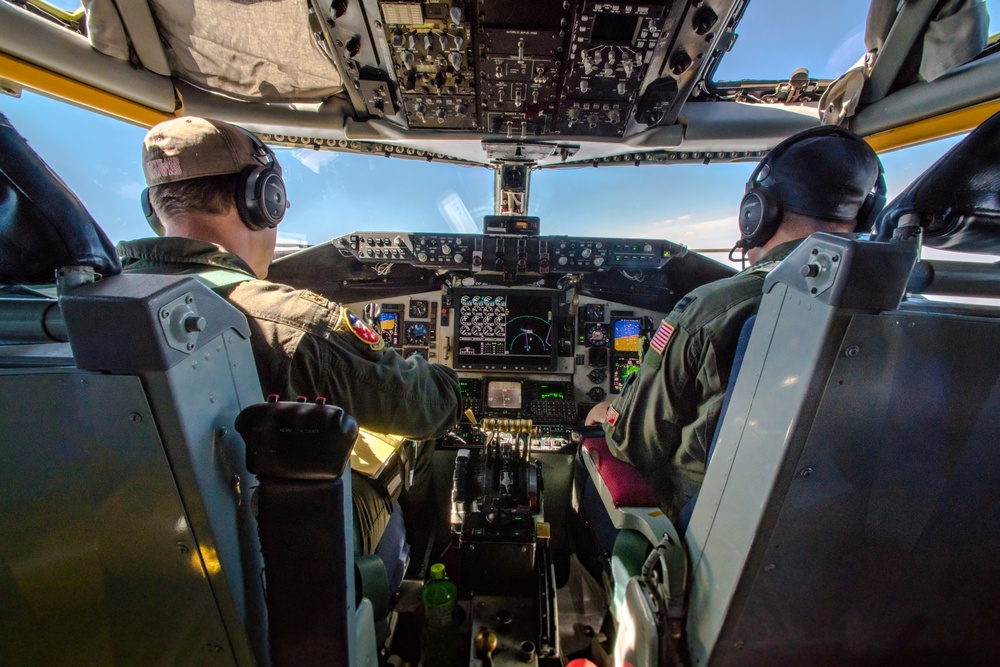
{"points": [[363, 331]]}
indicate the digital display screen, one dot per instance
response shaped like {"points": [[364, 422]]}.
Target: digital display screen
{"points": [[389, 328], [625, 335], [621, 368], [614, 29], [469, 388], [503, 395], [504, 329], [551, 392]]}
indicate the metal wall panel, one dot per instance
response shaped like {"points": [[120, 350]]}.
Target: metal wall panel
{"points": [[99, 564], [860, 519]]}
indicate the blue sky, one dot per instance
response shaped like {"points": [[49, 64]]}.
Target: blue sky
{"points": [[336, 193]]}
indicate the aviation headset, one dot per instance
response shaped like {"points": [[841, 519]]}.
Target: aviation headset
{"points": [[260, 192], [760, 209]]}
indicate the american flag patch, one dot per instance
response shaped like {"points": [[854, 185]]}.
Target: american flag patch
{"points": [[662, 337], [612, 416]]}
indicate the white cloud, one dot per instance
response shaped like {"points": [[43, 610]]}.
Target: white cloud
{"points": [[314, 160], [688, 230], [456, 213]]}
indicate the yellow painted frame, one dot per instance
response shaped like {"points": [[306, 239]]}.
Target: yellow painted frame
{"points": [[938, 127], [60, 13], [44, 81]]}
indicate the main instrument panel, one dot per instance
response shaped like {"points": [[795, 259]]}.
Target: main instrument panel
{"points": [[522, 353], [538, 328]]}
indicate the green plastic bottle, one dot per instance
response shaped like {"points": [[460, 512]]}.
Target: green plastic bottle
{"points": [[439, 596]]}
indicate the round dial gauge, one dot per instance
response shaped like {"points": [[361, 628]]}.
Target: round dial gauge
{"points": [[416, 333], [418, 309], [597, 335], [598, 375]]}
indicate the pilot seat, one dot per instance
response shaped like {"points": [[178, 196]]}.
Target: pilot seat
{"points": [[128, 506]]}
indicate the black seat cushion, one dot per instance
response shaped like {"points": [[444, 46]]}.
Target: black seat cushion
{"points": [[957, 200], [43, 226]]}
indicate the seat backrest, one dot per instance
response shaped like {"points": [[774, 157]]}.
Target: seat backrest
{"points": [[684, 516], [124, 496], [122, 480], [850, 512]]}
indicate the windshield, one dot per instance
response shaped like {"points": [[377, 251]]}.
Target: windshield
{"points": [[337, 193], [827, 39]]}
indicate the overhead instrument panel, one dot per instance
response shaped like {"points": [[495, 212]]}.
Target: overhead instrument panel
{"points": [[432, 54], [522, 68], [611, 46]]}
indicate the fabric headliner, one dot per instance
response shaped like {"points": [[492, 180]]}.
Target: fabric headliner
{"points": [[221, 46]]}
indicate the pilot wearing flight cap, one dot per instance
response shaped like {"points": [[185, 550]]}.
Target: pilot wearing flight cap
{"points": [[215, 198], [824, 179]]}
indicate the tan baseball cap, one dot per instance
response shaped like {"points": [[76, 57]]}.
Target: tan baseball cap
{"points": [[183, 148]]}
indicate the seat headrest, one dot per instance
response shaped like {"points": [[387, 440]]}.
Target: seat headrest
{"points": [[43, 226], [956, 201]]}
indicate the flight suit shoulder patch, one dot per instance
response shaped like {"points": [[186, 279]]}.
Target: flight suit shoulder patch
{"points": [[349, 322], [320, 301], [662, 337], [684, 303]]}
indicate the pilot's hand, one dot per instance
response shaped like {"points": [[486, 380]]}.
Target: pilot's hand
{"points": [[598, 414]]}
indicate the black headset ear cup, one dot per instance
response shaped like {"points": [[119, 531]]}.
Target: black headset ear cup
{"points": [[260, 197], [150, 213], [872, 205], [759, 215]]}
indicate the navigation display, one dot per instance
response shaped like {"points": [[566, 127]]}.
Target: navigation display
{"points": [[502, 329], [621, 369]]}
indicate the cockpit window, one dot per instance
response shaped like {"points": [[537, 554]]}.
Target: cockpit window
{"points": [[691, 204], [66, 10], [776, 37], [336, 193]]}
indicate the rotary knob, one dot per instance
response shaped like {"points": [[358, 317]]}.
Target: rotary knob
{"points": [[586, 252], [563, 260], [598, 261], [446, 249], [458, 258], [422, 256]]}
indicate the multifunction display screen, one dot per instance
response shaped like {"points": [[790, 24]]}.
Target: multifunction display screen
{"points": [[389, 328], [625, 336], [498, 329]]}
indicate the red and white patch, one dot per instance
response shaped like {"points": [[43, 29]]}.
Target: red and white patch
{"points": [[662, 337], [362, 330], [612, 416]]}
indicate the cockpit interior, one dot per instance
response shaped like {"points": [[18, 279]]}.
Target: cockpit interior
{"points": [[159, 508]]}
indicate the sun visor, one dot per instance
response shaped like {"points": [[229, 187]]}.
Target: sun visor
{"points": [[956, 202], [263, 51]]}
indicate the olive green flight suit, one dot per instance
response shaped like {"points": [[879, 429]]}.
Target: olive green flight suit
{"points": [[664, 419], [304, 345]]}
